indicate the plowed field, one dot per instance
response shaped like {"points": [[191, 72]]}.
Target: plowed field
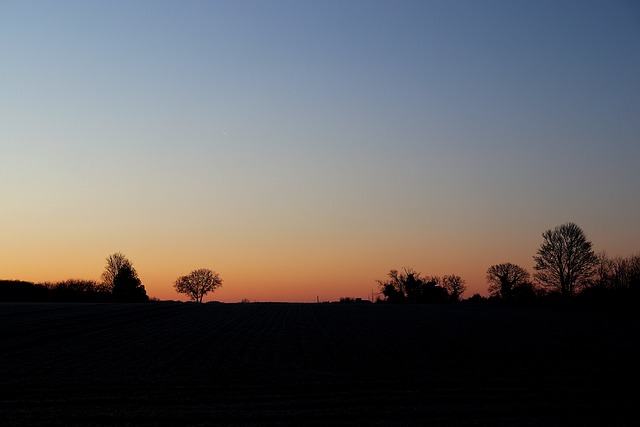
{"points": [[315, 364]]}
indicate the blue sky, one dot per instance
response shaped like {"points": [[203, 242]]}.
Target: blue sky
{"points": [[300, 147]]}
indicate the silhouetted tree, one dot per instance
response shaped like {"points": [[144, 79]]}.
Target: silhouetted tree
{"points": [[409, 286], [565, 261], [455, 286], [115, 263], [634, 274], [198, 283], [602, 271], [127, 287], [504, 278], [616, 283], [617, 272]]}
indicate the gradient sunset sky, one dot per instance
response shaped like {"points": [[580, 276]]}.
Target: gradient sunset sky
{"points": [[303, 149]]}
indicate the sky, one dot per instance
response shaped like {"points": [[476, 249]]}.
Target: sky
{"points": [[302, 149]]}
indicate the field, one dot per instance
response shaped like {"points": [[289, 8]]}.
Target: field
{"points": [[315, 364]]}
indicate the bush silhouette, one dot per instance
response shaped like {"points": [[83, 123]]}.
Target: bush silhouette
{"points": [[127, 286]]}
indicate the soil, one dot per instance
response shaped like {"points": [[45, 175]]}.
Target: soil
{"points": [[315, 364]]}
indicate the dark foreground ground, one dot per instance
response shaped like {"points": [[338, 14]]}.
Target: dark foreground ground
{"points": [[315, 364]]}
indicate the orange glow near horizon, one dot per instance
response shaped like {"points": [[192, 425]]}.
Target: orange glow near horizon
{"points": [[275, 269], [300, 274], [298, 271]]}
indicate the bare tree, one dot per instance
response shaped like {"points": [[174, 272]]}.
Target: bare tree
{"points": [[198, 283], [565, 261], [617, 272], [454, 285], [634, 272], [115, 263], [602, 271], [504, 278]]}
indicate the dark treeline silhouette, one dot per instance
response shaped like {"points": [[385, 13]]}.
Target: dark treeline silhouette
{"points": [[18, 290], [72, 290], [349, 300], [616, 282], [567, 272], [120, 283]]}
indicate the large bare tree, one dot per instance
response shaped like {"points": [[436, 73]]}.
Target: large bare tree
{"points": [[565, 260], [198, 283], [504, 278]]}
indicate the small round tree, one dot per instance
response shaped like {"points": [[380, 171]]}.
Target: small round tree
{"points": [[454, 285], [198, 283], [505, 279]]}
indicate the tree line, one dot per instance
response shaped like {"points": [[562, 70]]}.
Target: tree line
{"points": [[566, 270], [119, 283]]}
